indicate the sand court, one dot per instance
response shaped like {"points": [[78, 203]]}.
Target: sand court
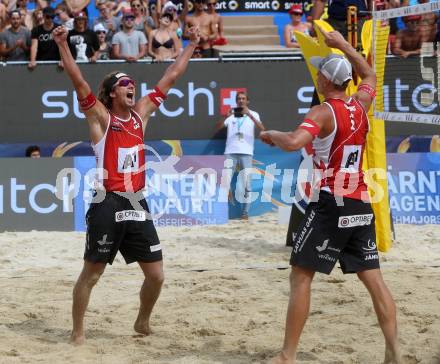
{"points": [[224, 300]]}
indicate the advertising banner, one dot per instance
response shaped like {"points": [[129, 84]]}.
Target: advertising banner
{"points": [[414, 186], [47, 110], [250, 6], [28, 195], [54, 194], [180, 191]]}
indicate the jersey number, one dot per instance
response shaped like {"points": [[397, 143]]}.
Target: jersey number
{"points": [[128, 160], [351, 158]]}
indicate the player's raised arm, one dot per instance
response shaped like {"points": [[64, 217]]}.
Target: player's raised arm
{"points": [[149, 103], [366, 89], [95, 111]]}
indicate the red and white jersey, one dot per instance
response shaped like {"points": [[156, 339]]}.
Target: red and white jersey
{"points": [[120, 155], [338, 156]]}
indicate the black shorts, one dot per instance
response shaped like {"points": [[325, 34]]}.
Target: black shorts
{"points": [[113, 225], [330, 232]]}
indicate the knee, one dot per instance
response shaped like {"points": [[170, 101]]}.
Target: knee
{"points": [[300, 277], [156, 278], [91, 279]]}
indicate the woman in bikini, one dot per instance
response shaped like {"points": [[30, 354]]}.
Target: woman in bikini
{"points": [[296, 25], [163, 42]]}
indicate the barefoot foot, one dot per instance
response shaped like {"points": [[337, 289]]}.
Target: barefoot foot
{"points": [[142, 327], [77, 339], [392, 357], [281, 359]]}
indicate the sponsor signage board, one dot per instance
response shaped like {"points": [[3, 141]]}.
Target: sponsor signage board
{"points": [[281, 92]]}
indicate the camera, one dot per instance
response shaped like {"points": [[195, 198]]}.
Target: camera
{"points": [[238, 112]]}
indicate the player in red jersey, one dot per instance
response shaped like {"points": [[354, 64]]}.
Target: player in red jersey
{"points": [[339, 222], [118, 218]]}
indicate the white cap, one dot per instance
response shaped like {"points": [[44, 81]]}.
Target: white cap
{"points": [[334, 67], [169, 5], [99, 28]]}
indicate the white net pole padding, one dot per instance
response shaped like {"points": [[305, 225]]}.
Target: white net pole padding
{"points": [[406, 11]]}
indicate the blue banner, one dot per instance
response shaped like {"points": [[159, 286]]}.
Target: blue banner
{"points": [[414, 186], [180, 191]]}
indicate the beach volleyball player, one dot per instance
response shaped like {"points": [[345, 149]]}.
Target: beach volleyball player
{"points": [[117, 124], [339, 223]]}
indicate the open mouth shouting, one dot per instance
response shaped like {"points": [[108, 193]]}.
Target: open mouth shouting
{"points": [[130, 96]]}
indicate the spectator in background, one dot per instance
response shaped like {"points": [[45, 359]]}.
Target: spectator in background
{"points": [[241, 123], [15, 41], [83, 42], [296, 24], [178, 23], [3, 16], [197, 53], [108, 21], [337, 14], [33, 151], [409, 40], [142, 21], [129, 44], [205, 23], [37, 18], [428, 25], [26, 15], [104, 51], [43, 47], [63, 17], [162, 42], [218, 23]]}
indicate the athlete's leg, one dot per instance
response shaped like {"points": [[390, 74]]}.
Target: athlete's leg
{"points": [[297, 313], [385, 310], [149, 294], [81, 294]]}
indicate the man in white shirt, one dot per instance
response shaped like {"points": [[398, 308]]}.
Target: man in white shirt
{"points": [[241, 123]]}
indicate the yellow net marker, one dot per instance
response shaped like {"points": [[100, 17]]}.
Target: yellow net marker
{"points": [[375, 151]]}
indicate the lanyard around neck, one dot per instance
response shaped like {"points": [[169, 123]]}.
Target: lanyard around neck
{"points": [[240, 122]]}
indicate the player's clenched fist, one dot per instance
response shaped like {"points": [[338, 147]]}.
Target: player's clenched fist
{"points": [[60, 34]]}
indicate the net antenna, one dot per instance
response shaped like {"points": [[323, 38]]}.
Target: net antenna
{"points": [[412, 79]]}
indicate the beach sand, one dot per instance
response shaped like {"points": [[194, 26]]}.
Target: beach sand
{"points": [[224, 300]]}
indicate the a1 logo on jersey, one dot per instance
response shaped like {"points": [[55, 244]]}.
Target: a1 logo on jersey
{"points": [[351, 158], [128, 160], [228, 98]]}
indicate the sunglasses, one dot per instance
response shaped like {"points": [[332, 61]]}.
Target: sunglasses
{"points": [[125, 82], [100, 32], [211, 4], [136, 6], [49, 16], [129, 17]]}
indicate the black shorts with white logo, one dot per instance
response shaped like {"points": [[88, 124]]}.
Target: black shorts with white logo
{"points": [[329, 233], [114, 224]]}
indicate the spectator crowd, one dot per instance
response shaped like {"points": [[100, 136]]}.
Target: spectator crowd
{"points": [[124, 29], [407, 34], [134, 29]]}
